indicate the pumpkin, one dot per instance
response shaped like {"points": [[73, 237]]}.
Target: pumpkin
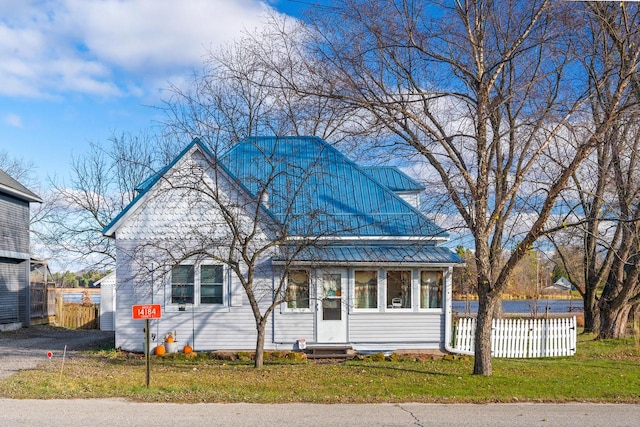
{"points": [[187, 349], [160, 350], [169, 338]]}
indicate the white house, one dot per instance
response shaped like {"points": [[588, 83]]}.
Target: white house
{"points": [[370, 273]]}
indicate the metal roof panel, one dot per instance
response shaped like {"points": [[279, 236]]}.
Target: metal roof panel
{"points": [[316, 190]]}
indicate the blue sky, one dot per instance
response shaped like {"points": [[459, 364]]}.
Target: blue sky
{"points": [[78, 71]]}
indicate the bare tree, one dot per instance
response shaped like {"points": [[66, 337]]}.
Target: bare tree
{"points": [[241, 92], [486, 93], [18, 169], [605, 187], [621, 291], [103, 182]]}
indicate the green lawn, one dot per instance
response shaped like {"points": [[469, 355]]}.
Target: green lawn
{"points": [[601, 371]]}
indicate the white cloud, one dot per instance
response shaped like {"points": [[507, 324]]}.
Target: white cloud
{"points": [[112, 47], [13, 120]]}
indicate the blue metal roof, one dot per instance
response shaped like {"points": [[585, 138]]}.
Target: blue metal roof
{"points": [[393, 253], [316, 191], [393, 178]]}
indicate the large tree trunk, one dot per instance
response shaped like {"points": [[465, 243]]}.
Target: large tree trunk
{"points": [[591, 311], [486, 306], [259, 360], [614, 319]]}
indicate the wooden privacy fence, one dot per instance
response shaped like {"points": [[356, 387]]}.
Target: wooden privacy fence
{"points": [[43, 302], [77, 316], [521, 338]]}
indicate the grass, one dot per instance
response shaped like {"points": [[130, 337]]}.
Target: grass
{"points": [[601, 371]]}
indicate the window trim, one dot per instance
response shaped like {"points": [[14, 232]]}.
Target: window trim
{"points": [[197, 305]]}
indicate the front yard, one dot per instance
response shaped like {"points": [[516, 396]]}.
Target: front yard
{"points": [[601, 371]]}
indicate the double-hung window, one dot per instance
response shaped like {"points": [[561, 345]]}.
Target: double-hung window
{"points": [[198, 284]]}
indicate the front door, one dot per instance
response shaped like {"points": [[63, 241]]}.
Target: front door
{"points": [[331, 311]]}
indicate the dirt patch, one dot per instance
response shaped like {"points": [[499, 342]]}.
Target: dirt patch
{"points": [[26, 348]]}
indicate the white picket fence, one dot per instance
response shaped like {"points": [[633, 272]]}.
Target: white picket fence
{"points": [[521, 338]]}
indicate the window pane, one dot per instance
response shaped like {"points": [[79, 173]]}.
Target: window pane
{"points": [[331, 285], [332, 301], [430, 289], [399, 289], [298, 289], [182, 284], [211, 284], [211, 274], [366, 289]]}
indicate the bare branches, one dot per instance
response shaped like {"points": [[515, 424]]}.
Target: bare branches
{"points": [[103, 182]]}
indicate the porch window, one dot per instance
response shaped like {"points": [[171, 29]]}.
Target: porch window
{"points": [[399, 289], [366, 289], [430, 289], [182, 284], [298, 289]]}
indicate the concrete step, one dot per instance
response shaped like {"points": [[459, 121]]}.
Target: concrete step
{"points": [[330, 352]]}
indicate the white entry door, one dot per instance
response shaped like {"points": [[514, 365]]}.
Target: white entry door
{"points": [[331, 310]]}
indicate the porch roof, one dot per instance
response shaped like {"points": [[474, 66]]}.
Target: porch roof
{"points": [[372, 254]]}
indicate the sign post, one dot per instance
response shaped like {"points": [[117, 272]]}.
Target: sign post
{"points": [[146, 312]]}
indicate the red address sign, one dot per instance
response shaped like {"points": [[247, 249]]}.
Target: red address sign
{"points": [[146, 311]]}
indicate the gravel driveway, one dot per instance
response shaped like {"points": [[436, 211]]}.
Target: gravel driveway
{"points": [[26, 348]]}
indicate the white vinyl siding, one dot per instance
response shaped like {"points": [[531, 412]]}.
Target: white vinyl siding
{"points": [[421, 330]]}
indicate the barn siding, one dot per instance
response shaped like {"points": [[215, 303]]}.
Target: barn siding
{"points": [[12, 279], [14, 260], [14, 224]]}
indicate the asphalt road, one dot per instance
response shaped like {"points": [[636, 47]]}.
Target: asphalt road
{"points": [[115, 413], [28, 347]]}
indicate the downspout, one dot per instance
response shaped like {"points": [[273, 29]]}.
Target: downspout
{"points": [[273, 312], [448, 295], [448, 315]]}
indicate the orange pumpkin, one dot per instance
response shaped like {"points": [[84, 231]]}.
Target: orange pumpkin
{"points": [[169, 338], [187, 349], [160, 350]]}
